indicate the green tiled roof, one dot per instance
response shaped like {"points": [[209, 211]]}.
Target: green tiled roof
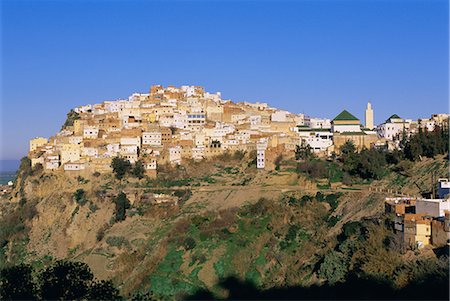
{"points": [[395, 116], [345, 115]]}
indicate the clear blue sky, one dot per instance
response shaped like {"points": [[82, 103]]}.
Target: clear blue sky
{"points": [[316, 57]]}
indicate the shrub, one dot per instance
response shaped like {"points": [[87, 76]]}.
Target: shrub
{"points": [[80, 197], [101, 232], [116, 241], [92, 207], [189, 243], [315, 169]]}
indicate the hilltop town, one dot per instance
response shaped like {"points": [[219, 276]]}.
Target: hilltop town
{"points": [[224, 189], [171, 125]]}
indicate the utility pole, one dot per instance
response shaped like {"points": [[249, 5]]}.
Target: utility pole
{"points": [[432, 184]]}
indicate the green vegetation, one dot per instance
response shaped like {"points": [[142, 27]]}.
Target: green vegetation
{"points": [[120, 167], [71, 117], [122, 204], [80, 197], [138, 170], [427, 144]]}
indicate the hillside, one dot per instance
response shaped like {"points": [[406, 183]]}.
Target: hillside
{"points": [[271, 229]]}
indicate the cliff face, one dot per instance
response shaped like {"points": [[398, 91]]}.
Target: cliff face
{"points": [[273, 230]]}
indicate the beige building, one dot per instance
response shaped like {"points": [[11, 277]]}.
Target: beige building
{"points": [[69, 153], [417, 230], [37, 142]]}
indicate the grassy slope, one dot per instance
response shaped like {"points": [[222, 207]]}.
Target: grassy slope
{"points": [[177, 250]]}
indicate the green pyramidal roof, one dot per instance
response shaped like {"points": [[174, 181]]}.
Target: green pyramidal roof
{"points": [[345, 115], [395, 116]]}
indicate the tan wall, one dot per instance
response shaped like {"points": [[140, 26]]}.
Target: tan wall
{"points": [[360, 141]]}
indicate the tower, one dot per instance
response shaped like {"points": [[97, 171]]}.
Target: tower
{"points": [[369, 116]]}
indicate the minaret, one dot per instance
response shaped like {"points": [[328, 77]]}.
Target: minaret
{"points": [[369, 116]]}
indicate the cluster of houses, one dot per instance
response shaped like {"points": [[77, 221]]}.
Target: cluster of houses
{"points": [[170, 125], [421, 221]]}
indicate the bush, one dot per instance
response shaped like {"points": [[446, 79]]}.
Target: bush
{"points": [[116, 241], [80, 197], [93, 207], [315, 169], [101, 232], [189, 243]]}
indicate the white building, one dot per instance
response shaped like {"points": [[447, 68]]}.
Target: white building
{"points": [[261, 147], [74, 166], [319, 141], [345, 122], [317, 123], [89, 152], [175, 155], [279, 116], [198, 153], [90, 132], [52, 162], [75, 139], [112, 149], [150, 164], [152, 138], [393, 128]]}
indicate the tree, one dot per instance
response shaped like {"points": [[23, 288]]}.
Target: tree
{"points": [[16, 283], [348, 148], [334, 267], [65, 280], [120, 167], [138, 170], [370, 164], [303, 152], [103, 290], [122, 204]]}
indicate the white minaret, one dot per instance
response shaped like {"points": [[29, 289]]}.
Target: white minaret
{"points": [[369, 116]]}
